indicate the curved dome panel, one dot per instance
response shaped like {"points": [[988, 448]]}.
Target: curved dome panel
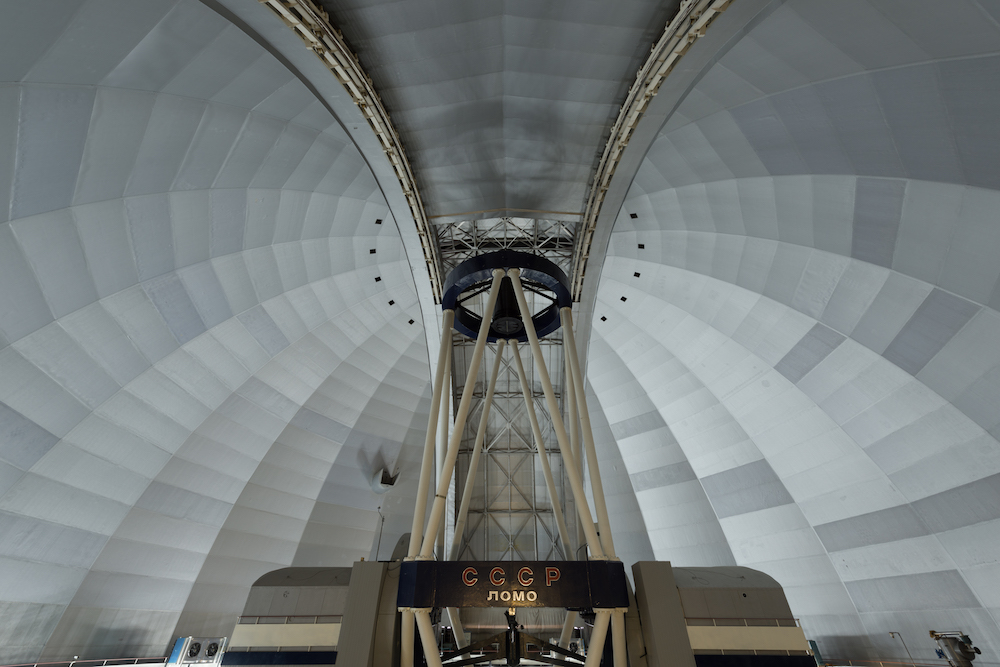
{"points": [[803, 283], [211, 336], [207, 320], [504, 106]]}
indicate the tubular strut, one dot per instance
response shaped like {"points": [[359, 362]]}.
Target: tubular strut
{"points": [[429, 536], [596, 649], [437, 511], [597, 486], [603, 522], [601, 545], [426, 465], [579, 497], [574, 427], [443, 438], [543, 456], [463, 511], [567, 630]]}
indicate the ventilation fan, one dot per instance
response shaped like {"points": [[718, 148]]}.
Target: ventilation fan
{"points": [[197, 650]]}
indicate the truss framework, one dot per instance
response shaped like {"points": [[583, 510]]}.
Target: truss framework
{"points": [[511, 516], [509, 481], [521, 509], [552, 239]]}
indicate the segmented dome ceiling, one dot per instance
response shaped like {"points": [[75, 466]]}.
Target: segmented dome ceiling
{"points": [[794, 338]]}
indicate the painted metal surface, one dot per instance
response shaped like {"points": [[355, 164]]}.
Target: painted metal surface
{"points": [[199, 370], [575, 584], [475, 270]]}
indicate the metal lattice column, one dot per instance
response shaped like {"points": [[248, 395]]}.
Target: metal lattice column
{"points": [[509, 479]]}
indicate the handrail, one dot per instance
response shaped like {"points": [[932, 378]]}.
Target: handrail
{"points": [[715, 619], [896, 661], [681, 32], [312, 24], [95, 663], [899, 661], [242, 620]]}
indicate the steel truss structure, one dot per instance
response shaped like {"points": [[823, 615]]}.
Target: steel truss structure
{"points": [[511, 516], [553, 239], [425, 535]]}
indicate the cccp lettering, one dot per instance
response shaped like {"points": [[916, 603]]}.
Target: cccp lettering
{"points": [[552, 574], [470, 576], [525, 576], [498, 576]]}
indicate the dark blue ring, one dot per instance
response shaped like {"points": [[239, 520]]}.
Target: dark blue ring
{"points": [[477, 270]]}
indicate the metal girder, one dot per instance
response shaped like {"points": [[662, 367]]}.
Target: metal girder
{"points": [[690, 23], [552, 239], [509, 474], [312, 25]]}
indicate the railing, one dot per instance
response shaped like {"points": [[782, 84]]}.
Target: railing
{"points": [[288, 620], [743, 622], [109, 662], [870, 663], [895, 662]]}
